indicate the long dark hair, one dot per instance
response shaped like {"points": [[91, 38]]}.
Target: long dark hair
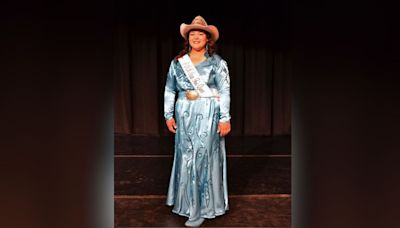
{"points": [[212, 46]]}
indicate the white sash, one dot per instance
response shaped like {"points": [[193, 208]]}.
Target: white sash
{"points": [[194, 77]]}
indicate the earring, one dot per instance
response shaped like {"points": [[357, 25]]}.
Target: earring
{"points": [[207, 47]]}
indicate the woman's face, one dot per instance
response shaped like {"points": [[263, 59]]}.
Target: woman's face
{"points": [[197, 40]]}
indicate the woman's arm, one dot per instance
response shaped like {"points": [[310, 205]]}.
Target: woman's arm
{"points": [[169, 99], [223, 85], [222, 81], [169, 93]]}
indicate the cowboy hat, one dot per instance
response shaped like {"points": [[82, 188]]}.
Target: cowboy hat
{"points": [[199, 23]]}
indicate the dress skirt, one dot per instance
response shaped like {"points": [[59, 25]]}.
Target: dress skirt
{"points": [[198, 182]]}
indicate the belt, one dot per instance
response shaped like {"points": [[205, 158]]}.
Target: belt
{"points": [[194, 95]]}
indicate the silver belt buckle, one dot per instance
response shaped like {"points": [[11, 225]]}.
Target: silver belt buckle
{"points": [[192, 95]]}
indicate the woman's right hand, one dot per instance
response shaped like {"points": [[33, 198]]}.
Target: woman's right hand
{"points": [[171, 125]]}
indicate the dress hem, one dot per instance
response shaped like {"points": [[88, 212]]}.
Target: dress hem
{"points": [[202, 216]]}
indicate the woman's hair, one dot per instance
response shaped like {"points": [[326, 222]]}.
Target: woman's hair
{"points": [[212, 47]]}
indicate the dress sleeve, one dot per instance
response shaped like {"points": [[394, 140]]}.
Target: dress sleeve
{"points": [[222, 81], [169, 93]]}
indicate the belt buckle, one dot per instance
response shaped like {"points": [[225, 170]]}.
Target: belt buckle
{"points": [[192, 95]]}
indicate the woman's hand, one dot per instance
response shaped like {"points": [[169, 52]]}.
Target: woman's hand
{"points": [[224, 128], [171, 125]]}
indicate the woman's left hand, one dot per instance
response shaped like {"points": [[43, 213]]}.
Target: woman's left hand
{"points": [[224, 128]]}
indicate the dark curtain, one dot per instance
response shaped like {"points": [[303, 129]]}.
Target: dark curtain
{"points": [[254, 42]]}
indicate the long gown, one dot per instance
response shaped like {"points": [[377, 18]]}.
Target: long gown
{"points": [[198, 182]]}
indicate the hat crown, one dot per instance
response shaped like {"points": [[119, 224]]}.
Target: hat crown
{"points": [[199, 20], [198, 23]]}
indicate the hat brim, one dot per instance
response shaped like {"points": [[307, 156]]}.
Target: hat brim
{"points": [[185, 28]]}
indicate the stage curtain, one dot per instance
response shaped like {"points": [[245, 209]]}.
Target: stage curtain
{"points": [[259, 61]]}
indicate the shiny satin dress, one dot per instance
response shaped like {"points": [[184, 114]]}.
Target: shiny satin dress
{"points": [[198, 182]]}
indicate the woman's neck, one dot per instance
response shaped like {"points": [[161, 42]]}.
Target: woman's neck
{"points": [[197, 56], [197, 53]]}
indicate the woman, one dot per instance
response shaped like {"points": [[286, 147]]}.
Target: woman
{"points": [[199, 79]]}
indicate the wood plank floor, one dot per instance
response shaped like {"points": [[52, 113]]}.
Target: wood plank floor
{"points": [[259, 182]]}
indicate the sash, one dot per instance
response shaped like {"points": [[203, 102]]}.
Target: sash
{"points": [[194, 77]]}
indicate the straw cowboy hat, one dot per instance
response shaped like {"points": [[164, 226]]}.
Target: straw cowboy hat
{"points": [[199, 23]]}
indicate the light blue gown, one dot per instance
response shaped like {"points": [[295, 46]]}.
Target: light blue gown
{"points": [[198, 182]]}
